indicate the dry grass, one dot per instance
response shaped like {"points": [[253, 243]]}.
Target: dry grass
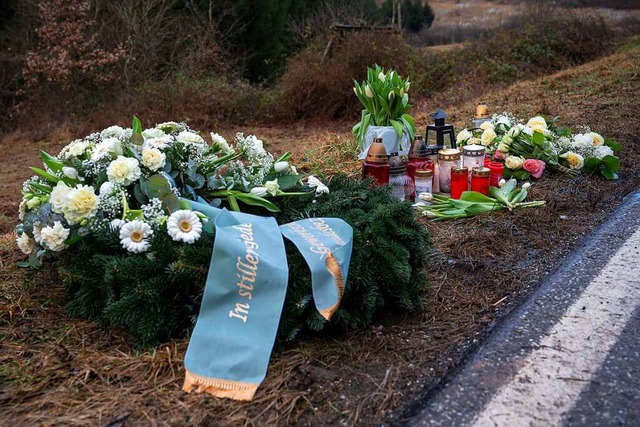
{"points": [[57, 371]]}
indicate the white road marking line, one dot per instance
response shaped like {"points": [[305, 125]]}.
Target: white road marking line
{"points": [[552, 377]]}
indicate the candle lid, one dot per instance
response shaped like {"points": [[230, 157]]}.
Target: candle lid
{"points": [[424, 173], [482, 111], [432, 150], [377, 152], [480, 171], [459, 170], [396, 165], [449, 154], [419, 149], [473, 150]]}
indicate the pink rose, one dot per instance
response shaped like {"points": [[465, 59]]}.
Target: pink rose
{"points": [[498, 155], [534, 167]]}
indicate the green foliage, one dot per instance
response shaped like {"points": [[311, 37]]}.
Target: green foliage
{"points": [[156, 295]]}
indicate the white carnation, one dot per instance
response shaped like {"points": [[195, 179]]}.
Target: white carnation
{"points": [[153, 158], [123, 170], [113, 132], [314, 182], [53, 238], [189, 138], [26, 244], [153, 133], [218, 141], [58, 197], [602, 151], [159, 143], [107, 147], [81, 203]]}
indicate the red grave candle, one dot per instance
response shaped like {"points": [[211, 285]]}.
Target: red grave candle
{"points": [[376, 164], [497, 172], [480, 180], [459, 181]]}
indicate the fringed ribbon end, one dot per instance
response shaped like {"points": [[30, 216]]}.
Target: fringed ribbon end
{"points": [[235, 390], [336, 271]]}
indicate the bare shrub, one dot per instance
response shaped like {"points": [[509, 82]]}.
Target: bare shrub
{"points": [[313, 88], [68, 52]]}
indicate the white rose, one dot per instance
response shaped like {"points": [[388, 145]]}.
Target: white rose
{"points": [[488, 136], [537, 123], [75, 149], [514, 162], [576, 161], [597, 139], [123, 170], [189, 138], [487, 125], [463, 135], [153, 158]]}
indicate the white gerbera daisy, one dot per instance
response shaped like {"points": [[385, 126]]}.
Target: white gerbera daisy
{"points": [[134, 236], [184, 226]]}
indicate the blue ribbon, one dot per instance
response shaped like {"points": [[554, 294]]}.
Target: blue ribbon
{"points": [[231, 344]]}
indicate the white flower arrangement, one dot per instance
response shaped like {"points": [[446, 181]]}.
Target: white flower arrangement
{"points": [[128, 182]]}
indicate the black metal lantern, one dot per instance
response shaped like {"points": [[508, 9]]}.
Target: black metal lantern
{"points": [[439, 132]]}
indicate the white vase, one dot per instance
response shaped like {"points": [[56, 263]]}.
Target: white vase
{"points": [[392, 142]]}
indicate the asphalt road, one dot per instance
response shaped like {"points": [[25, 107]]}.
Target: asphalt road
{"points": [[570, 355]]}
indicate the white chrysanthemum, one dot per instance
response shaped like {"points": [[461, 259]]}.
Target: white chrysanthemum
{"points": [[218, 140], [602, 151], [582, 140], [112, 132], [158, 143], [123, 170], [153, 133], [184, 226], [58, 197], [53, 238], [26, 244], [153, 158], [189, 138], [134, 236], [81, 202], [105, 148], [314, 182]]}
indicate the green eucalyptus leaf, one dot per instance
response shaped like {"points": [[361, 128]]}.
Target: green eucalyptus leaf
{"points": [[157, 186], [170, 202]]}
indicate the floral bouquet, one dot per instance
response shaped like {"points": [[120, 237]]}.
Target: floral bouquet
{"points": [[527, 149], [130, 181], [385, 97], [131, 252]]}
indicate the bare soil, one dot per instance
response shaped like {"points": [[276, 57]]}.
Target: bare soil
{"points": [[60, 371]]}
